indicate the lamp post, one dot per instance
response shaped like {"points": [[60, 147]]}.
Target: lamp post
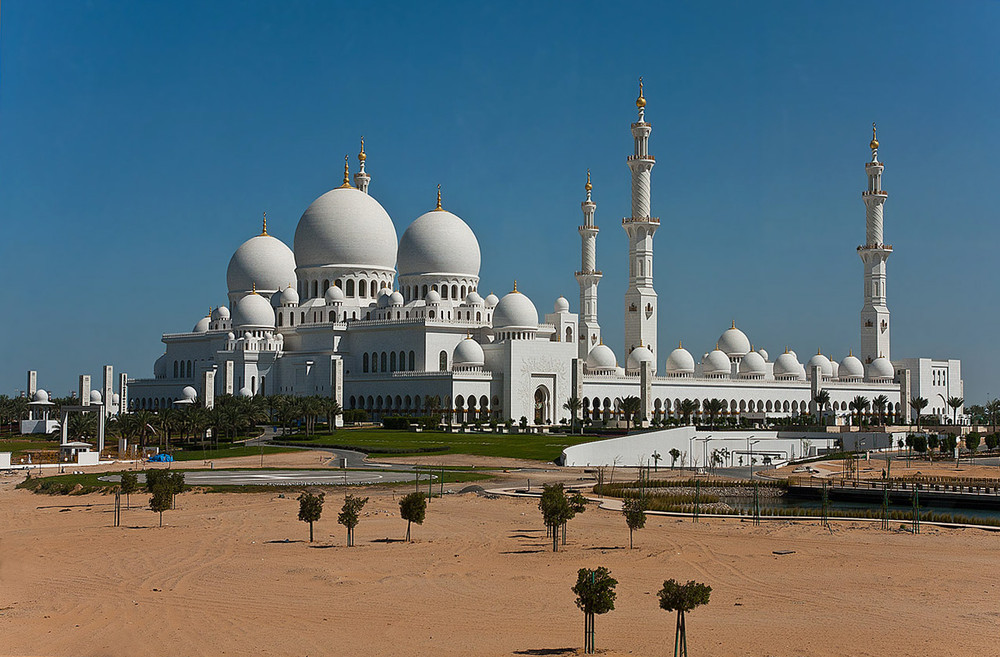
{"points": [[750, 444]]}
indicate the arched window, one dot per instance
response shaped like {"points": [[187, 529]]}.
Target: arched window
{"points": [[350, 288], [443, 361], [326, 285], [362, 289], [175, 369], [464, 293], [190, 369], [430, 314], [374, 288], [569, 334], [434, 287], [281, 317], [444, 292], [392, 361], [339, 283], [424, 294], [364, 363], [413, 361], [291, 319], [479, 316], [382, 362], [302, 318], [454, 291]]}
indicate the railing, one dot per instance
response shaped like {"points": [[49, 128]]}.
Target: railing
{"points": [[643, 220]]}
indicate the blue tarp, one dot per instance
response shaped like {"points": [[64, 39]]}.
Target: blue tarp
{"points": [[161, 458]]}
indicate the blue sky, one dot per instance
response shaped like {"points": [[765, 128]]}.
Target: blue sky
{"points": [[140, 142]]}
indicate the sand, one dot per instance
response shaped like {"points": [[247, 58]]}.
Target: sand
{"points": [[479, 579]]}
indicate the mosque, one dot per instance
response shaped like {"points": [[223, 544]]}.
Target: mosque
{"points": [[391, 325]]}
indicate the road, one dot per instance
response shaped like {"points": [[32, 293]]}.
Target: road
{"points": [[282, 477]]}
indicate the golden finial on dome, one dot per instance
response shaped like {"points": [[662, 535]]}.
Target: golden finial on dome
{"points": [[263, 230], [253, 287], [640, 102], [439, 199], [347, 172], [515, 287], [361, 155], [874, 144], [588, 186], [734, 324], [209, 312], [679, 345], [850, 353]]}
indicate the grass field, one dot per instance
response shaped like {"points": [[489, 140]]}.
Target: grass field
{"points": [[226, 452], [17, 446], [388, 442]]}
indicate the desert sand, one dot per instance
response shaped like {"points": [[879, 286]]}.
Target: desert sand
{"points": [[479, 579]]}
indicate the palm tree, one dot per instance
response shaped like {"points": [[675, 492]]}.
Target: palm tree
{"points": [[878, 405], [993, 412], [713, 407], [918, 404], [144, 420], [821, 399], [631, 407], [656, 460], [311, 407], [688, 406], [573, 405], [955, 403], [859, 405]]}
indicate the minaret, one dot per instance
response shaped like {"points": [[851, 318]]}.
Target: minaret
{"points": [[640, 298], [588, 277], [874, 253], [361, 178]]}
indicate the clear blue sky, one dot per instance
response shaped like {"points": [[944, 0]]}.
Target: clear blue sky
{"points": [[140, 142]]}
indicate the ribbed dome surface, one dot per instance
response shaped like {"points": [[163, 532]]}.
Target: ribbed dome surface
{"points": [[345, 227]]}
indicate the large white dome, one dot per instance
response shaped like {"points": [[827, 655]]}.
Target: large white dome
{"points": [[680, 361], [253, 311], [881, 369], [601, 358], [825, 367], [263, 262], [851, 369], [734, 342], [439, 242], [787, 365], [515, 310], [753, 365], [346, 228], [468, 353], [637, 357], [716, 364], [203, 325]]}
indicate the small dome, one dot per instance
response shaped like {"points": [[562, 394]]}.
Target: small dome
{"points": [[491, 300], [347, 228], [680, 361], [734, 342], [289, 297], [334, 293], [601, 358], [881, 369], [717, 363], [753, 365], [203, 325], [515, 310], [263, 262], [247, 335], [825, 368], [40, 396], [763, 354], [95, 396], [836, 368], [231, 336], [395, 299], [220, 313], [160, 367], [439, 242], [433, 297], [383, 298], [794, 355], [851, 369], [637, 357], [189, 393], [561, 305], [253, 311], [468, 353], [787, 365], [245, 392], [473, 299]]}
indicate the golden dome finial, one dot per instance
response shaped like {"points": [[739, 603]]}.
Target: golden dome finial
{"points": [[515, 287], [588, 186], [361, 155], [874, 144], [640, 102], [439, 199], [819, 352], [734, 324], [263, 230], [209, 312], [850, 353], [253, 287], [347, 172], [680, 345]]}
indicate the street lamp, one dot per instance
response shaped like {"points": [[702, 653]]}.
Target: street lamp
{"points": [[750, 444]]}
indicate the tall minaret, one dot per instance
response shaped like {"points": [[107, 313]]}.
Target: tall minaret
{"points": [[640, 298], [874, 253], [361, 178], [588, 277]]}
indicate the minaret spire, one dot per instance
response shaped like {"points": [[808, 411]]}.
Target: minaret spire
{"points": [[361, 178], [640, 296], [588, 277], [874, 253]]}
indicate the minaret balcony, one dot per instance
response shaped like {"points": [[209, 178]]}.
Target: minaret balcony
{"points": [[641, 220], [641, 157], [882, 193], [596, 272], [875, 247]]}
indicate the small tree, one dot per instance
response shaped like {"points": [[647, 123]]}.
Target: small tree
{"points": [[991, 441], [920, 443], [972, 442], [682, 598], [175, 480], [556, 510], [310, 509], [674, 455], [634, 509], [955, 403], [413, 508], [573, 405], [129, 485], [821, 399], [918, 404], [595, 594], [656, 460], [350, 515], [161, 499]]}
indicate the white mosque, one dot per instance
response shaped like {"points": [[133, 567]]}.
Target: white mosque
{"points": [[385, 324]]}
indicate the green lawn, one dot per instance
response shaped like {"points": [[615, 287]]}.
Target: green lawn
{"points": [[17, 446], [389, 442], [226, 452]]}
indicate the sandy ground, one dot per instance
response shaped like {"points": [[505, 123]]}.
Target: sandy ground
{"points": [[479, 579], [899, 468]]}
